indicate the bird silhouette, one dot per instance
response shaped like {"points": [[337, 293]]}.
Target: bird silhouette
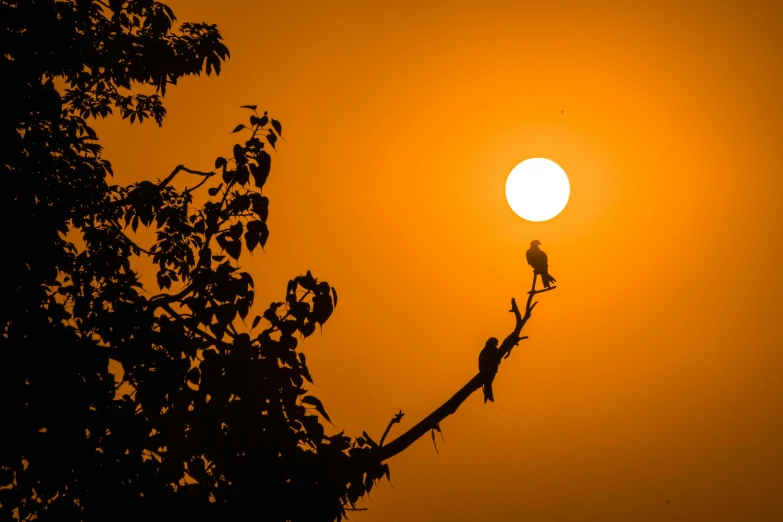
{"points": [[488, 366], [538, 260]]}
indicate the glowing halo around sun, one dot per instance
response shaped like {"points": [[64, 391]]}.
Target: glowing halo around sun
{"points": [[537, 189]]}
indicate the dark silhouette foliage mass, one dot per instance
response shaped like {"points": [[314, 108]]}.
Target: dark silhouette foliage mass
{"points": [[120, 402], [211, 420]]}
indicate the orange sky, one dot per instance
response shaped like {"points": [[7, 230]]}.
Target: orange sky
{"points": [[654, 372]]}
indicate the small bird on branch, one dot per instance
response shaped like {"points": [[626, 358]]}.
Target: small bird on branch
{"points": [[538, 260], [488, 366]]}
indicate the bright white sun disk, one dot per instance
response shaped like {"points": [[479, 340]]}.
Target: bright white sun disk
{"points": [[537, 189]]}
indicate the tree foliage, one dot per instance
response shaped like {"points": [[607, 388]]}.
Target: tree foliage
{"points": [[212, 417]]}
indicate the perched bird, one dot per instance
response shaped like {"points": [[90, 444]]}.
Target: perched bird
{"points": [[538, 260], [488, 363]]}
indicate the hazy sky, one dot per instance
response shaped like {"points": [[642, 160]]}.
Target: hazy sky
{"points": [[651, 388]]}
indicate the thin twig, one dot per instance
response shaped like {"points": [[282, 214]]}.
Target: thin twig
{"points": [[542, 291], [437, 428], [396, 420]]}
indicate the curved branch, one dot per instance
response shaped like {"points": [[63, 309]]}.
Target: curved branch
{"points": [[192, 189], [132, 242], [164, 299], [180, 168], [450, 406]]}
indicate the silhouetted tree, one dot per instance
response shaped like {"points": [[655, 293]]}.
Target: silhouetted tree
{"points": [[210, 417]]}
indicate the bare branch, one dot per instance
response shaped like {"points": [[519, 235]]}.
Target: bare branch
{"points": [[396, 420], [542, 291], [433, 420], [181, 168], [189, 190]]}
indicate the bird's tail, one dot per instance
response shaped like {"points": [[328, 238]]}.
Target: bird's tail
{"points": [[547, 279], [488, 393]]}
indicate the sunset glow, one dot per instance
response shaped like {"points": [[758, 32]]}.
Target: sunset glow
{"points": [[650, 386]]}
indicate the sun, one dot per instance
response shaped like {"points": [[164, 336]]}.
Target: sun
{"points": [[537, 189]]}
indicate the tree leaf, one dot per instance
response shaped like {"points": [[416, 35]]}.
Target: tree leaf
{"points": [[260, 206], [307, 281], [242, 176], [251, 241], [228, 176], [238, 128], [369, 440], [264, 236], [322, 308], [235, 230], [251, 107], [234, 248], [239, 154], [260, 172], [308, 328], [257, 233], [319, 407], [278, 127]]}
